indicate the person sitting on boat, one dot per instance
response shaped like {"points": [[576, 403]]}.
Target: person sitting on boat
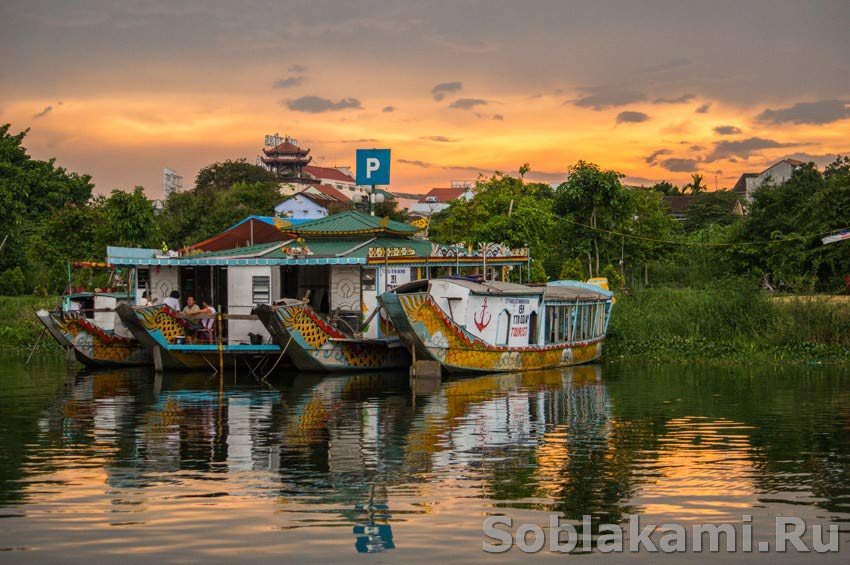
{"points": [[191, 307], [143, 301], [173, 300], [207, 310]]}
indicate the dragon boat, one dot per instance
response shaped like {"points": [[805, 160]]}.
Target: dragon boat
{"points": [[492, 326], [86, 327], [316, 344], [174, 345]]}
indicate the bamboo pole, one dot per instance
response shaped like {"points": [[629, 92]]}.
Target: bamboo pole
{"points": [[220, 346]]}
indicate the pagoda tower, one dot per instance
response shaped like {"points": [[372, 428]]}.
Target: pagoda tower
{"points": [[286, 160]]}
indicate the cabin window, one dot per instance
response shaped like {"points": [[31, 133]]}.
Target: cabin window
{"points": [[568, 323], [143, 278], [260, 290], [552, 321], [503, 328], [532, 329]]}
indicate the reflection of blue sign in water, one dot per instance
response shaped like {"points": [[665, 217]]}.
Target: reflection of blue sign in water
{"points": [[373, 166], [371, 536]]}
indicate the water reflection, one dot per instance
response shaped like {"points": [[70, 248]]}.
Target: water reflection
{"points": [[363, 463]]}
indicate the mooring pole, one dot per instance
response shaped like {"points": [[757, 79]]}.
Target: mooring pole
{"points": [[41, 335], [220, 346]]}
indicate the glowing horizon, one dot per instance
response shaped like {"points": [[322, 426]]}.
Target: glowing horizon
{"points": [[451, 100]]}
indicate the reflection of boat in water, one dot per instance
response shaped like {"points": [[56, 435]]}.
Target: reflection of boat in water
{"points": [[170, 340], [87, 325], [314, 344], [500, 327]]}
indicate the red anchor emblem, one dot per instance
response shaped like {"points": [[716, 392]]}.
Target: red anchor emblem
{"points": [[480, 323]]}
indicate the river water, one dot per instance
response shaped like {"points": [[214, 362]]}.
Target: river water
{"points": [[129, 465]]}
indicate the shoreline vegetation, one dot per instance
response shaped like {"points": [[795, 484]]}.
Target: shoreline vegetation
{"points": [[728, 325], [725, 325]]}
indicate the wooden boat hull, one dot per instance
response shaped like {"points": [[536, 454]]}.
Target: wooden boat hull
{"points": [[424, 328], [92, 346], [158, 329], [314, 346]]}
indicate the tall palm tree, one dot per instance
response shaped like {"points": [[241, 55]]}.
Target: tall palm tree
{"points": [[695, 186]]}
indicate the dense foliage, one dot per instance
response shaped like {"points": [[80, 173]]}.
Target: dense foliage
{"points": [[589, 225]]}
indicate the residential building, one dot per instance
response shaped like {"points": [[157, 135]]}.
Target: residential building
{"points": [[778, 173], [171, 182], [438, 199]]}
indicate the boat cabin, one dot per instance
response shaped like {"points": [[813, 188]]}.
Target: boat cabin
{"points": [[340, 264], [514, 315]]}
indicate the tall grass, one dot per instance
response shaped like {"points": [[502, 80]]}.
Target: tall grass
{"points": [[19, 328], [743, 324]]}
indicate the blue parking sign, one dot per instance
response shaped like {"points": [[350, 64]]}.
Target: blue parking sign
{"points": [[373, 166]]}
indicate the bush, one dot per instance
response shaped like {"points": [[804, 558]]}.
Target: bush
{"points": [[12, 282], [573, 270], [615, 279]]}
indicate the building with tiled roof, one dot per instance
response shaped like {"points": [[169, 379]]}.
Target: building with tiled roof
{"points": [[438, 199], [778, 173], [342, 262]]}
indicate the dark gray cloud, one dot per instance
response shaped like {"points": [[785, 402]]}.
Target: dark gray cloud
{"points": [[678, 100], [655, 155], [607, 96], [317, 104], [630, 117], [744, 148], [821, 112], [675, 165], [47, 110], [297, 68], [727, 130], [388, 109], [467, 103], [440, 139], [498, 117], [670, 65], [696, 148], [703, 108], [416, 163], [427, 165], [821, 160], [441, 90], [289, 82]]}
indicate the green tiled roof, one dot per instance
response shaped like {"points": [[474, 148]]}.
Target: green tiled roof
{"points": [[248, 251], [352, 223]]}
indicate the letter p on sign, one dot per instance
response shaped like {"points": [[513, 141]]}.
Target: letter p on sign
{"points": [[373, 166]]}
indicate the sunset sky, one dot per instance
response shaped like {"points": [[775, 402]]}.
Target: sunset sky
{"points": [[656, 90]]}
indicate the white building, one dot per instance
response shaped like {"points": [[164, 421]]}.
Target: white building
{"points": [[778, 173], [171, 182], [438, 199]]}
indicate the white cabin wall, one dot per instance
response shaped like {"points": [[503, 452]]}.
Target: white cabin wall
{"points": [[240, 300], [163, 280], [482, 320], [345, 287]]}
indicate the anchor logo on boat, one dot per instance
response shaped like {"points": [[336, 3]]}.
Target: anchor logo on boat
{"points": [[479, 322]]}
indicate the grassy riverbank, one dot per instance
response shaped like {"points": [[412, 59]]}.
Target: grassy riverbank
{"points": [[19, 328], [728, 325]]}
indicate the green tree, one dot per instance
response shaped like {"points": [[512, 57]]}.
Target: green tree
{"points": [[695, 186], [591, 202], [130, 220], [666, 188], [503, 210], [707, 208], [30, 192], [12, 282], [220, 177]]}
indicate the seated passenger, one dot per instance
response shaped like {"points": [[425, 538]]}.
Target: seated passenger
{"points": [[173, 300], [191, 307], [207, 310]]}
